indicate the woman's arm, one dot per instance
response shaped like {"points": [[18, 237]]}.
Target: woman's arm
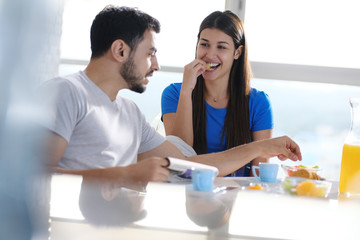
{"points": [[262, 118], [180, 123], [257, 136], [230, 160], [261, 135]]}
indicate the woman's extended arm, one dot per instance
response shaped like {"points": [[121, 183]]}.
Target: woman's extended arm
{"points": [[257, 136], [230, 160]]}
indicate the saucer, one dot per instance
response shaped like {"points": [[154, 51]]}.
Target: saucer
{"points": [[277, 181], [215, 190]]}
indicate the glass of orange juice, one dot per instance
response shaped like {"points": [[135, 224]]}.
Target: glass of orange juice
{"points": [[350, 164]]}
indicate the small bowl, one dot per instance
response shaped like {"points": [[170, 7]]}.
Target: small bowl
{"points": [[290, 170], [306, 187]]}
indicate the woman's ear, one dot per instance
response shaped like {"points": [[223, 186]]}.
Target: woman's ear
{"points": [[119, 50], [238, 52]]}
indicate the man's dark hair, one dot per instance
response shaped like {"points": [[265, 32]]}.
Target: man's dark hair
{"points": [[112, 23]]}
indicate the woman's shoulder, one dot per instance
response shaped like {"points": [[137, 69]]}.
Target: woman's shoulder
{"points": [[258, 97], [176, 86], [256, 94], [173, 88], [170, 97]]}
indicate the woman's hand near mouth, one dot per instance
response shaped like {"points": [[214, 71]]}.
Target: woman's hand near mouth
{"points": [[191, 72]]}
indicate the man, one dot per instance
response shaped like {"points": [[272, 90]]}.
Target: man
{"points": [[98, 134]]}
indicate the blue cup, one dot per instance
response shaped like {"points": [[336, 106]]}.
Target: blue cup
{"points": [[202, 180], [268, 172]]}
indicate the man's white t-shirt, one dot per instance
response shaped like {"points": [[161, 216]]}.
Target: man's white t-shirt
{"points": [[100, 133]]}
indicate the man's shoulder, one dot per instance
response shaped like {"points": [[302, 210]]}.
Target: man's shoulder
{"points": [[68, 80], [71, 82]]}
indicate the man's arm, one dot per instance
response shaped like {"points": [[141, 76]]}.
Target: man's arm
{"points": [[134, 176], [56, 146]]}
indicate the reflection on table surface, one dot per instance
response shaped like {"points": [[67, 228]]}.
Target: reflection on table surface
{"points": [[93, 210]]}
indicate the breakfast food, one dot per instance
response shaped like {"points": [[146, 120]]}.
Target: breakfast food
{"points": [[309, 188], [303, 171], [306, 188], [306, 173], [315, 176], [255, 187]]}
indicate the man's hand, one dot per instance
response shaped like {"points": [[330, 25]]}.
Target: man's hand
{"points": [[137, 176]]}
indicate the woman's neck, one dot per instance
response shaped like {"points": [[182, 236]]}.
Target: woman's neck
{"points": [[216, 93]]}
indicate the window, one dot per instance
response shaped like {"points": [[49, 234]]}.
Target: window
{"points": [[312, 41], [309, 44], [316, 115], [306, 32]]}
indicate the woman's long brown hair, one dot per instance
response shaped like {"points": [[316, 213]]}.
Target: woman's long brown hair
{"points": [[237, 123]]}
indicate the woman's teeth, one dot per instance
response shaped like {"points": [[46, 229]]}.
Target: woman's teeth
{"points": [[212, 66]]}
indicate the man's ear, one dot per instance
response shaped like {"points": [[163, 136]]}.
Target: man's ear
{"points": [[238, 52], [120, 50]]}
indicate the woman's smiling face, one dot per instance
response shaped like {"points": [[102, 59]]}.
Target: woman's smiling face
{"points": [[217, 49]]}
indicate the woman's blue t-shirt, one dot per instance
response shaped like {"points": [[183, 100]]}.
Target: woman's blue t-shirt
{"points": [[260, 114]]}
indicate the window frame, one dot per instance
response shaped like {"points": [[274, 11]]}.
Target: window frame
{"points": [[277, 71], [296, 72]]}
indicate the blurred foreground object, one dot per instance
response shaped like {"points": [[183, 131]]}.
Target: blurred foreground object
{"points": [[29, 54]]}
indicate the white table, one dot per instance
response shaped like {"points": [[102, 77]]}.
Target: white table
{"points": [[173, 211]]}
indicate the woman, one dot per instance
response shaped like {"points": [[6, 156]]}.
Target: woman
{"points": [[215, 108]]}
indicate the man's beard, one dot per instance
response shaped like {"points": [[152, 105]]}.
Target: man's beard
{"points": [[128, 72]]}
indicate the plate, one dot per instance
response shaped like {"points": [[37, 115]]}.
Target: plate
{"points": [[215, 190]]}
